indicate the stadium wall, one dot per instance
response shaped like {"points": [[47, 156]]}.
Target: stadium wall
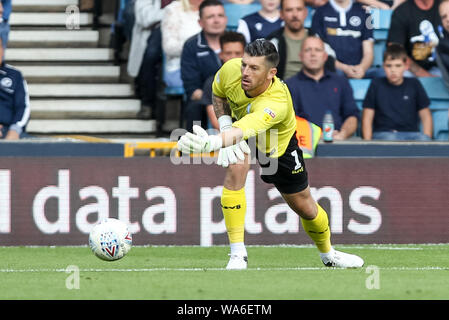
{"points": [[55, 201]]}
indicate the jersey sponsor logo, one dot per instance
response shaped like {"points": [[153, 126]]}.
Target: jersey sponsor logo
{"points": [[298, 170], [331, 19], [202, 54], [343, 33]]}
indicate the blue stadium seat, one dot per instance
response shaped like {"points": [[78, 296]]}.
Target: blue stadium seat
{"points": [[439, 102], [360, 87], [308, 21], [235, 12], [380, 22], [440, 125], [379, 48]]}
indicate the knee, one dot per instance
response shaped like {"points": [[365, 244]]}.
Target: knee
{"points": [[235, 178], [309, 210], [304, 205]]}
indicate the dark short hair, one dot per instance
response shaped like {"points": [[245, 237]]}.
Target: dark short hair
{"points": [[395, 51], [263, 48], [281, 5], [209, 3], [232, 36]]}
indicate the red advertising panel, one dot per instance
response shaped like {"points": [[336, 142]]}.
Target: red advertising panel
{"points": [[56, 201]]}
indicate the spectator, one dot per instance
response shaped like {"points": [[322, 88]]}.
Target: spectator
{"points": [[200, 60], [315, 91], [394, 104], [261, 23], [5, 12], [442, 56], [14, 101], [413, 25], [179, 23], [145, 54], [288, 39], [341, 24], [232, 45]]}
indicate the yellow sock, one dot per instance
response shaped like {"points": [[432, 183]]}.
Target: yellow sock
{"points": [[233, 204], [318, 229]]}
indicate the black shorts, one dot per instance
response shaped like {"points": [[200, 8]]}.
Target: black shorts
{"points": [[288, 172]]}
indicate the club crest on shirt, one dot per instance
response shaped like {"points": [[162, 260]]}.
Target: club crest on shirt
{"points": [[355, 21], [6, 82]]}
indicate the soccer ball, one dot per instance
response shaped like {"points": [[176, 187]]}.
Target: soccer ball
{"points": [[110, 239]]}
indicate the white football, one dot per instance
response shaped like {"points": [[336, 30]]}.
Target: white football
{"points": [[110, 239]]}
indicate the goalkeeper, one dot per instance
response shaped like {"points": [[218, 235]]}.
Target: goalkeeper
{"points": [[248, 90]]}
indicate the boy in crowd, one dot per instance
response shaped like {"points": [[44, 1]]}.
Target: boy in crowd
{"points": [[261, 23], [394, 104]]}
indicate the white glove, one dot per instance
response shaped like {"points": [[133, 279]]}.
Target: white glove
{"points": [[229, 155], [199, 141]]}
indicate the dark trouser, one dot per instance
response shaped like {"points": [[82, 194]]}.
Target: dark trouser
{"points": [[195, 113], [147, 81]]}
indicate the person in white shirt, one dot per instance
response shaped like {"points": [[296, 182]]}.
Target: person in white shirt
{"points": [[179, 23]]}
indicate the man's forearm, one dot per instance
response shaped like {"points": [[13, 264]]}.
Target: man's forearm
{"points": [[417, 70], [221, 106], [349, 127], [231, 137]]}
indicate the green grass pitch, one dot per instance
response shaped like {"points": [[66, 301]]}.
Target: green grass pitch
{"points": [[191, 272]]}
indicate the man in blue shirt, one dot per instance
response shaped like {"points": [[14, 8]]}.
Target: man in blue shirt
{"points": [[315, 90], [200, 60], [14, 98], [14, 103], [343, 26]]}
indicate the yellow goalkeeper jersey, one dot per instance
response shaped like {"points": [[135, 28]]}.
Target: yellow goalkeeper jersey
{"points": [[269, 116]]}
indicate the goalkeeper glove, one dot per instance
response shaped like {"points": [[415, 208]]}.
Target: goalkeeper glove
{"points": [[199, 141], [229, 155]]}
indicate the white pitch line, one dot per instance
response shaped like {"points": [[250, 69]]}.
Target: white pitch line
{"points": [[383, 248], [428, 268]]}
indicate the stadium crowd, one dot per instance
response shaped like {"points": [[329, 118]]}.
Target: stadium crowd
{"points": [[189, 54], [179, 43]]}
